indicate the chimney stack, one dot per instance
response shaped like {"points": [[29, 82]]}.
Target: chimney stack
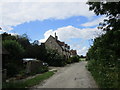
{"points": [[56, 37]]}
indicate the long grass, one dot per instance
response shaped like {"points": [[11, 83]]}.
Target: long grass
{"points": [[30, 82]]}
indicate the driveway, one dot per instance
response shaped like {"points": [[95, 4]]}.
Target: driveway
{"points": [[71, 76]]}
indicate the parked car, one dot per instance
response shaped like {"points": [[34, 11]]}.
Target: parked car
{"points": [[45, 64]]}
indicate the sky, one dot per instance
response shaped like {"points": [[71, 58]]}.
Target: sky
{"points": [[71, 21]]}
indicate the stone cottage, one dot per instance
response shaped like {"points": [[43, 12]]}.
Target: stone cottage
{"points": [[61, 47], [73, 53]]}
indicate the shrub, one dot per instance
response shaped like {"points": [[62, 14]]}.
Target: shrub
{"points": [[14, 48], [11, 69], [69, 61], [103, 59], [73, 59], [54, 59], [13, 64], [41, 69]]}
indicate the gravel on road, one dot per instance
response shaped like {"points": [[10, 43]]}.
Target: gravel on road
{"points": [[71, 76]]}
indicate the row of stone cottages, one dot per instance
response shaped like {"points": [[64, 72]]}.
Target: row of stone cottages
{"points": [[61, 47]]}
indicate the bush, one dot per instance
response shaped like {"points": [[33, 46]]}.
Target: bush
{"points": [[103, 58], [14, 48], [69, 61], [40, 69], [13, 64], [54, 59], [73, 59], [11, 70]]}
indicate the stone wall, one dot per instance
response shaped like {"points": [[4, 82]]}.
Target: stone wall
{"points": [[33, 65], [52, 44]]}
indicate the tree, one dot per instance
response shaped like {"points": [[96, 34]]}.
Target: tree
{"points": [[36, 42], [53, 58], [13, 64], [6, 36], [110, 10], [23, 40], [104, 55], [14, 48]]}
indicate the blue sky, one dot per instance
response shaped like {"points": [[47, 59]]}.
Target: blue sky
{"points": [[36, 29], [73, 22]]}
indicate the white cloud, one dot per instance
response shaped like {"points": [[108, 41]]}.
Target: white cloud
{"points": [[15, 13], [82, 51], [67, 33], [93, 22], [6, 28], [14, 34], [44, 0]]}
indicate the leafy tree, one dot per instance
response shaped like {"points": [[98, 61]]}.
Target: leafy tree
{"points": [[14, 48], [36, 42], [6, 36], [53, 58], [73, 59], [110, 10], [13, 64], [105, 53], [24, 41]]}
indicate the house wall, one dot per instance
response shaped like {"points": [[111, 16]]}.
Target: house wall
{"points": [[52, 44]]}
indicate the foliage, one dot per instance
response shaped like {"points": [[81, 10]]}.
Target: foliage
{"points": [[106, 8], [23, 40], [14, 48], [28, 82], [40, 69], [11, 69], [103, 59], [36, 51], [19, 47], [104, 55], [54, 59], [6, 36], [73, 59], [105, 76]]}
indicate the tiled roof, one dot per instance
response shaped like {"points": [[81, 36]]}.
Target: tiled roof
{"points": [[66, 45], [73, 52], [60, 43]]}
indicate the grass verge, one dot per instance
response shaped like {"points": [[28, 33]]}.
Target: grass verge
{"points": [[30, 82], [82, 59]]}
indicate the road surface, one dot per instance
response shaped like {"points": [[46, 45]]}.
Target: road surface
{"points": [[72, 76]]}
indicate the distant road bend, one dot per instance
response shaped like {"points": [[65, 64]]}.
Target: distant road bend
{"points": [[72, 76]]}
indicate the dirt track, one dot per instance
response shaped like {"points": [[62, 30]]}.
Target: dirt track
{"points": [[72, 76]]}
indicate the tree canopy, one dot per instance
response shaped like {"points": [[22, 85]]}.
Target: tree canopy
{"points": [[104, 54], [110, 10]]}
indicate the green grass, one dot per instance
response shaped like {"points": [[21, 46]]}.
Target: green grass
{"points": [[30, 82], [82, 59]]}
